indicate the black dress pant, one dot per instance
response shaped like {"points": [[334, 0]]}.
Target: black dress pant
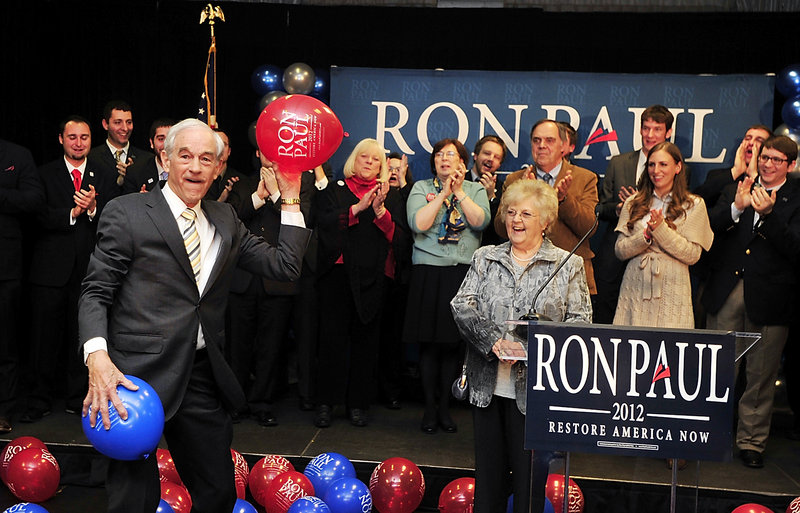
{"points": [[9, 344], [199, 437], [348, 347], [499, 450]]}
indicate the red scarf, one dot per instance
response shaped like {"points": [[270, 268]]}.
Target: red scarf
{"points": [[359, 186]]}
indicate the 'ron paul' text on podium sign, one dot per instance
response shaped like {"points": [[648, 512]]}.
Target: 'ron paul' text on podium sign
{"points": [[633, 391]]}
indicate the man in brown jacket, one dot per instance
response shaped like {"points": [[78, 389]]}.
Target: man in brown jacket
{"points": [[576, 188]]}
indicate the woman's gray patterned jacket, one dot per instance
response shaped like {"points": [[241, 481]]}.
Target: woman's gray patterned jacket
{"points": [[490, 295]]}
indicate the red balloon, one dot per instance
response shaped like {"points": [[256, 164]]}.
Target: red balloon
{"points": [[285, 489], [15, 446], [752, 508], [240, 473], [397, 486], [298, 132], [263, 472], [555, 492], [33, 475], [794, 506], [166, 467], [177, 496], [458, 496]]}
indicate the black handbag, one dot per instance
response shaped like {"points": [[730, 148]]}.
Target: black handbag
{"points": [[460, 386]]}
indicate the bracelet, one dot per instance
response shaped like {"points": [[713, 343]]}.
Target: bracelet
{"points": [[290, 201]]}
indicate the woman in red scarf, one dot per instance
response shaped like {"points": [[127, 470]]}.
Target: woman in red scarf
{"points": [[360, 219]]}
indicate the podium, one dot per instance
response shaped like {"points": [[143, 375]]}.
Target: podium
{"points": [[660, 393]]}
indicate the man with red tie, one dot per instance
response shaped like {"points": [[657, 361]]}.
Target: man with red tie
{"points": [[74, 197]]}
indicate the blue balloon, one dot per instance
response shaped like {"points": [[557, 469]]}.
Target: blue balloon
{"points": [[326, 468], [135, 438], [164, 507], [788, 81], [322, 85], [266, 78], [25, 507], [791, 112], [348, 495], [548, 506], [242, 506], [309, 504]]}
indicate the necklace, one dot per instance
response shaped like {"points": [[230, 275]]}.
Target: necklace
{"points": [[520, 258]]}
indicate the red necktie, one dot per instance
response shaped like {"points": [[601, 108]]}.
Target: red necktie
{"points": [[76, 179]]}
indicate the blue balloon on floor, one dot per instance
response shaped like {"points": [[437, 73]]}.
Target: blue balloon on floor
{"points": [[242, 506], [25, 507], [309, 504], [136, 437], [348, 495], [548, 506], [164, 507], [326, 468], [266, 78]]}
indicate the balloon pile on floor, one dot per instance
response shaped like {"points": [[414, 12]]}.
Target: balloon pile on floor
{"points": [[29, 471], [794, 506], [554, 491], [25, 507], [752, 508]]}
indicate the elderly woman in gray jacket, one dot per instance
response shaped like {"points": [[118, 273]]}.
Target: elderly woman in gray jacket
{"points": [[500, 286]]}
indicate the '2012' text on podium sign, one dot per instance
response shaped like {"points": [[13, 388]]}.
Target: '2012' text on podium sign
{"points": [[630, 391]]}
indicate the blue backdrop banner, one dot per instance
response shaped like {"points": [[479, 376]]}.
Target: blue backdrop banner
{"points": [[410, 110]]}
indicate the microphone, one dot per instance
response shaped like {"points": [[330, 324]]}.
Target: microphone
{"points": [[522, 329]]}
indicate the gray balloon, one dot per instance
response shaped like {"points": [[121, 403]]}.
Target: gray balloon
{"points": [[269, 98], [251, 134], [792, 134], [298, 78]]}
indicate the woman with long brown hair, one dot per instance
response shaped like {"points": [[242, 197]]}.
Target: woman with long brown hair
{"points": [[663, 229]]}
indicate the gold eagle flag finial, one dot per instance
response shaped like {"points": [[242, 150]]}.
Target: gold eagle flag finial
{"points": [[211, 14]]}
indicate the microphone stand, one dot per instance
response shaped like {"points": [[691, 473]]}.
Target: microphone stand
{"points": [[522, 329]]}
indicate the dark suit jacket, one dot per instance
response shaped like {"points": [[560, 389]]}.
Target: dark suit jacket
{"points": [[143, 172], [575, 214], [103, 160], [266, 223], [140, 293], [21, 196], [715, 183], [765, 257], [489, 236], [220, 182], [363, 246], [60, 246]]}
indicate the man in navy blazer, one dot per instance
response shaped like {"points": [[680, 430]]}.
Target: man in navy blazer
{"points": [[74, 196], [147, 311], [149, 172], [753, 280]]}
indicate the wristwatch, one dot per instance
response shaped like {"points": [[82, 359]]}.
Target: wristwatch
{"points": [[290, 201]]}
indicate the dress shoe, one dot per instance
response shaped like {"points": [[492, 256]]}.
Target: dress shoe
{"points": [[429, 424], [5, 424], [447, 424], [73, 409], [306, 405], [323, 418], [750, 458], [358, 417], [266, 419], [32, 414], [393, 404]]}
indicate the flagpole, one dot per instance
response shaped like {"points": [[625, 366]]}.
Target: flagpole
{"points": [[211, 14]]}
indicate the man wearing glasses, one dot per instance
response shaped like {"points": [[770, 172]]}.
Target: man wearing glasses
{"points": [[753, 280]]}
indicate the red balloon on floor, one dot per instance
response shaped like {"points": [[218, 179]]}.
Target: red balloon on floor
{"points": [[285, 489], [298, 132], [555, 492], [33, 475], [794, 506], [241, 472], [263, 472], [397, 486], [458, 496], [177, 496], [166, 467], [15, 446], [752, 508]]}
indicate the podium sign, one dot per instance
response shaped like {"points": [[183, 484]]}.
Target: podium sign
{"points": [[630, 391]]}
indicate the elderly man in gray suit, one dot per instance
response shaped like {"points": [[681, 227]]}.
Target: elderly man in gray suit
{"points": [[153, 305]]}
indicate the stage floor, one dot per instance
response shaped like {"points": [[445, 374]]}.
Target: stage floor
{"points": [[443, 457]]}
